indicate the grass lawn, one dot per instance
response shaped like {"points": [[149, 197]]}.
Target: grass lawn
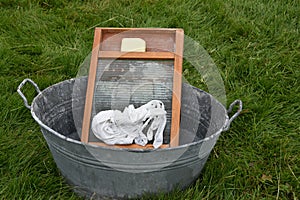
{"points": [[254, 43]]}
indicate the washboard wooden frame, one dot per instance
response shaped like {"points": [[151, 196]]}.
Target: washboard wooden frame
{"points": [[153, 51]]}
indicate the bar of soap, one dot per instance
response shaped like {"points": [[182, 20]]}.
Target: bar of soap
{"points": [[133, 45]]}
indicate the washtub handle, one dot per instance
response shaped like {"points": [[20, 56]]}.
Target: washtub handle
{"points": [[37, 89], [236, 102]]}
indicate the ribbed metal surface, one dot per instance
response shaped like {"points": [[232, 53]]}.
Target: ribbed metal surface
{"points": [[120, 83]]}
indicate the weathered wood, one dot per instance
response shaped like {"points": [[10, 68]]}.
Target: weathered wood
{"points": [[90, 88], [136, 55], [157, 40], [176, 99]]}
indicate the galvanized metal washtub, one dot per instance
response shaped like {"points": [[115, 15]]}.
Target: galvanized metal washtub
{"points": [[100, 172]]}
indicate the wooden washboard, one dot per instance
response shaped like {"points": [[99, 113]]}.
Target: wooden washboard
{"points": [[164, 49]]}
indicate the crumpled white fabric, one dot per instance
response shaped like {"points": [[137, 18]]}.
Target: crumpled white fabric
{"points": [[116, 127]]}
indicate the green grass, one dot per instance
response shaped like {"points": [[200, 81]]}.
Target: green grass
{"points": [[255, 45]]}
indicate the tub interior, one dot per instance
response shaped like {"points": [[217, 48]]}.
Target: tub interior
{"points": [[60, 107]]}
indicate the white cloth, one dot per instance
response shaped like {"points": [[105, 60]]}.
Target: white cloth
{"points": [[116, 127]]}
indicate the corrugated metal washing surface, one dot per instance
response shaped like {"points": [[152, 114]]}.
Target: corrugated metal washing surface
{"points": [[120, 83]]}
